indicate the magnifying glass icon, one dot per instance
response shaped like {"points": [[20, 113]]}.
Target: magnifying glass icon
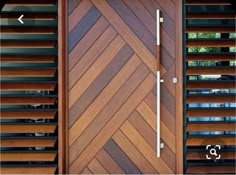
{"points": [[213, 152]]}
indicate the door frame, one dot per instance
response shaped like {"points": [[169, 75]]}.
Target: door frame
{"points": [[63, 151], [63, 159], [179, 87]]}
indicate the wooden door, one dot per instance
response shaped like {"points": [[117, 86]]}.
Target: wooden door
{"points": [[112, 86]]}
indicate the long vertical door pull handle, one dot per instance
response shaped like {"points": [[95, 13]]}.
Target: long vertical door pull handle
{"points": [[159, 80]]}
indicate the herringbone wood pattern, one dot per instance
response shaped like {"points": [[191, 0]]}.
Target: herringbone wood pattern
{"points": [[112, 86]]}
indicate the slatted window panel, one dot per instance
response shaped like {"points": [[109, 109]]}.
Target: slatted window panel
{"points": [[29, 90], [209, 86]]}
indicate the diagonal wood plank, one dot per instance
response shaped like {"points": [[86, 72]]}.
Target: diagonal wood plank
{"points": [[144, 147], [169, 119], [95, 70], [86, 171], [108, 163], [150, 118], [91, 150], [131, 151], [91, 55], [96, 167], [137, 27], [78, 13], [119, 60], [107, 113], [99, 103], [149, 135], [122, 28], [122, 159], [86, 42]]}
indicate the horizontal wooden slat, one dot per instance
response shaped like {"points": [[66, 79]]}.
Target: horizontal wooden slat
{"points": [[203, 141], [211, 71], [211, 113], [25, 44], [34, 115], [210, 43], [25, 30], [30, 3], [211, 170], [207, 2], [27, 73], [29, 128], [28, 170], [27, 87], [27, 142], [225, 155], [210, 85], [210, 127], [203, 15], [27, 59], [210, 57], [28, 16], [210, 99], [210, 29], [27, 156], [27, 100]]}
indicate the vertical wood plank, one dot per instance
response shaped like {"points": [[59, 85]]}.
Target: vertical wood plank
{"points": [[62, 88]]}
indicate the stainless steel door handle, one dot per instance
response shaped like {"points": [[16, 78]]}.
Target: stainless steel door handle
{"points": [[159, 80]]}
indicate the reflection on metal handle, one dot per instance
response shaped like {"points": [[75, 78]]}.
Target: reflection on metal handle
{"points": [[158, 27], [158, 113], [159, 20], [159, 144], [159, 80]]}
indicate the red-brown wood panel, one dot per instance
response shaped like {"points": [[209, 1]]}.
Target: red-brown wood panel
{"points": [[112, 86]]}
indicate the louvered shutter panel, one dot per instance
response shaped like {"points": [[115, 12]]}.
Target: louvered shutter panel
{"points": [[29, 89], [209, 86]]}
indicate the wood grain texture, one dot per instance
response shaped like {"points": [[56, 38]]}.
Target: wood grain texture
{"points": [[21, 143], [210, 141], [27, 73], [131, 151], [210, 57], [210, 85], [28, 170], [210, 29], [27, 115], [27, 101], [211, 113], [27, 87], [210, 170], [126, 32], [144, 147], [210, 127], [210, 99], [210, 43], [14, 128], [27, 156], [112, 67], [28, 44], [96, 167], [211, 71], [108, 163]]}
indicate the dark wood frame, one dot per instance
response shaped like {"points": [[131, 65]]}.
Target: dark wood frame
{"points": [[62, 89], [179, 86]]}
